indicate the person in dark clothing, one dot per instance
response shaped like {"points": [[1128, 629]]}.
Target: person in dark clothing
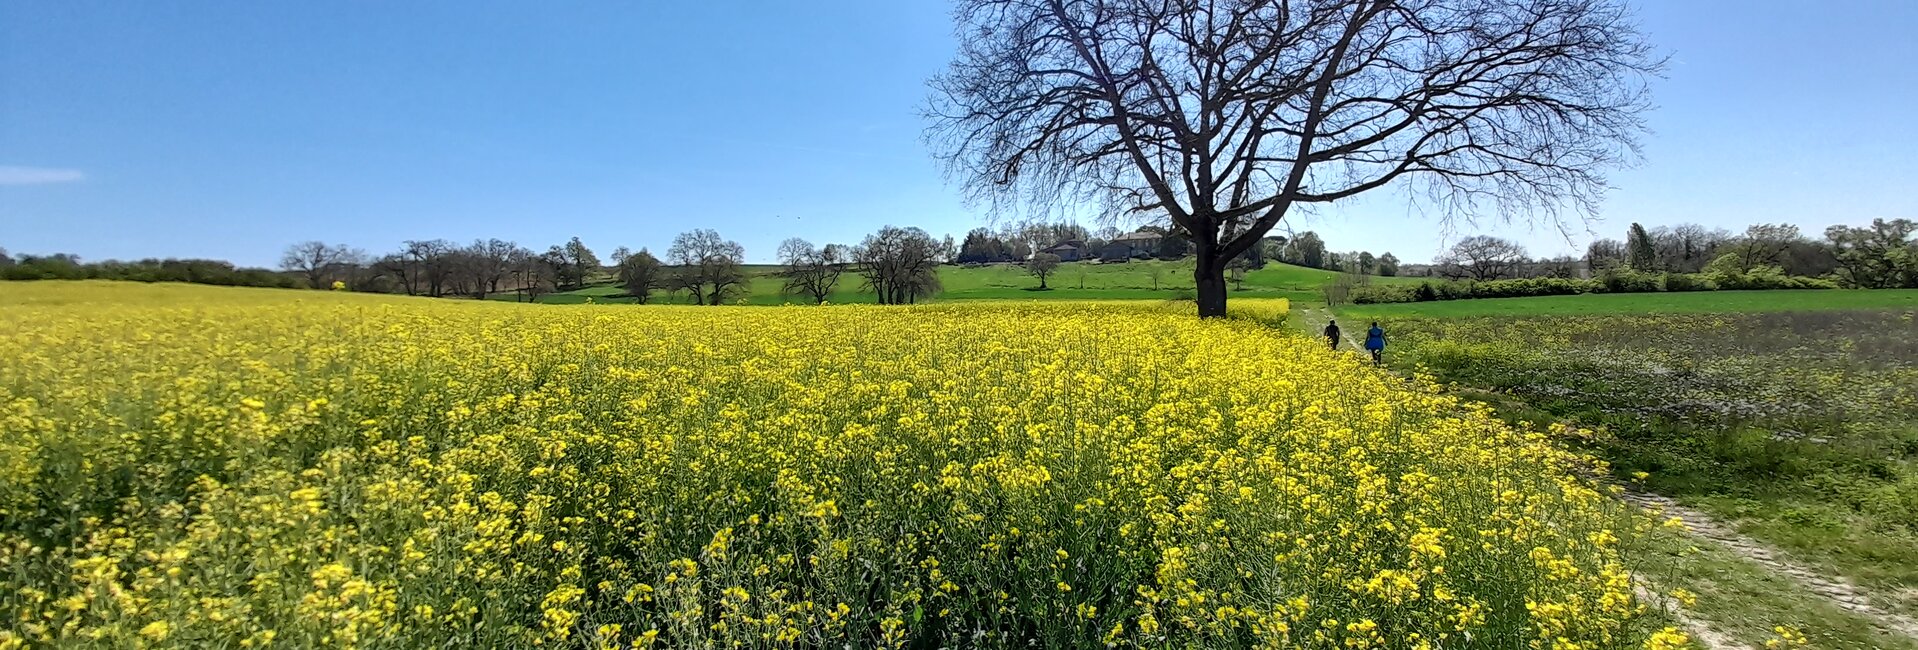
{"points": [[1375, 342], [1332, 332]]}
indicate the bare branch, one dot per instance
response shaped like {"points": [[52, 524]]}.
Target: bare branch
{"points": [[1221, 116]]}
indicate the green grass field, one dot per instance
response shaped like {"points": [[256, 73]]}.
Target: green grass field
{"points": [[1699, 302], [1137, 280]]}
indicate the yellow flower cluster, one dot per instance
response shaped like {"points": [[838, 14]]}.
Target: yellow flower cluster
{"points": [[192, 466]]}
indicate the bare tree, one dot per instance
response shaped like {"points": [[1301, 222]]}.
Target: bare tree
{"points": [[391, 269], [1224, 116], [1605, 254], [425, 266], [1041, 266], [1339, 290], [1481, 257], [1687, 247], [1563, 266], [900, 264], [320, 262], [812, 271], [532, 274], [706, 265], [483, 265], [1765, 244]]}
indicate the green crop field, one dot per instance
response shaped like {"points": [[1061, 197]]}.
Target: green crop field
{"points": [[1138, 279]]}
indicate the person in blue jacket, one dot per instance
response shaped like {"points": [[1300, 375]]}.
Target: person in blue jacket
{"points": [[1375, 342]]}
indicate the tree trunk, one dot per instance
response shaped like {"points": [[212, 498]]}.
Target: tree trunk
{"points": [[1208, 274]]}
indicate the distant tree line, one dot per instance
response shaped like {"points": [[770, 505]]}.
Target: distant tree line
{"points": [[441, 268], [1881, 255], [1017, 242], [1688, 257], [899, 265], [1308, 249], [1027, 242], [62, 266], [703, 266]]}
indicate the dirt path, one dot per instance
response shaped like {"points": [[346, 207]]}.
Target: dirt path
{"points": [[1837, 589], [1702, 633], [1312, 321]]}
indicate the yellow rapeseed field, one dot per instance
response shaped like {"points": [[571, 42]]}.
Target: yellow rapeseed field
{"points": [[205, 467]]}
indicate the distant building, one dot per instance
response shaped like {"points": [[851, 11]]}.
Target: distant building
{"points": [[1131, 245], [1071, 250], [1416, 270]]}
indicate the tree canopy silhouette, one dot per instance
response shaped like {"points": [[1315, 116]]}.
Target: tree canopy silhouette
{"points": [[1223, 116]]}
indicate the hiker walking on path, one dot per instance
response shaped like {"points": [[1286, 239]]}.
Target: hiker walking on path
{"points": [[1375, 342], [1332, 332]]}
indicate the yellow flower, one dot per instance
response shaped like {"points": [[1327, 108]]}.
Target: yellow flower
{"points": [[1668, 639], [390, 471], [156, 631]]}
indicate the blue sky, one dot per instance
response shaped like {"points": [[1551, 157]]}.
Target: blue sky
{"points": [[231, 129]]}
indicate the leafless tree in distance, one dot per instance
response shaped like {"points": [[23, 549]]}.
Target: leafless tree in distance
{"points": [[425, 265], [706, 265], [486, 263], [319, 262], [1221, 116], [1605, 254], [812, 271], [1766, 244], [1481, 257], [532, 274], [900, 264]]}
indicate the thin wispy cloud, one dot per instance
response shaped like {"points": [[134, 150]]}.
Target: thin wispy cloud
{"points": [[16, 175]]}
